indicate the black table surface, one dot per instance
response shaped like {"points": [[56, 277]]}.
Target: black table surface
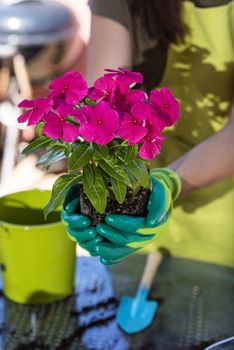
{"points": [[196, 309]]}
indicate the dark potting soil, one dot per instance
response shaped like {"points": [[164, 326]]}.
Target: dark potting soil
{"points": [[133, 205]]}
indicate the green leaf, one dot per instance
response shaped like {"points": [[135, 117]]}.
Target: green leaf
{"points": [[37, 144], [119, 189], [95, 188], [80, 157], [89, 102], [114, 170], [71, 120], [52, 156], [138, 169], [60, 188], [134, 184], [114, 146], [89, 175], [101, 151], [128, 153]]}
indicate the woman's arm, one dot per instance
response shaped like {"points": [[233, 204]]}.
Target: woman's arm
{"points": [[210, 161], [110, 47]]}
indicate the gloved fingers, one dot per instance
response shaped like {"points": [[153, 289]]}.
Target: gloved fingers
{"points": [[91, 245], [159, 203], [82, 235], [152, 233], [161, 221], [71, 206], [125, 223], [72, 199], [111, 251], [156, 231], [148, 238], [165, 218], [76, 221], [111, 234], [119, 237]]}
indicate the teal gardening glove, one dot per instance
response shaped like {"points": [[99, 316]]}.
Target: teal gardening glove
{"points": [[123, 234], [79, 227]]}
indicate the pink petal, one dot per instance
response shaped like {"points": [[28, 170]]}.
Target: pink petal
{"points": [[125, 74], [51, 117], [65, 79], [101, 109], [53, 130], [79, 116], [26, 104], [57, 83], [135, 96], [157, 123], [149, 150], [73, 75], [73, 97], [35, 116], [84, 115], [53, 126], [155, 97], [25, 116], [95, 94], [101, 125], [102, 84], [70, 132], [88, 132], [71, 85], [126, 118], [166, 105], [141, 111], [132, 132], [64, 109], [107, 131], [103, 138], [111, 121]]}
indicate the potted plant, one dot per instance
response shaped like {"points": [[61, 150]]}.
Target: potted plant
{"points": [[108, 133]]}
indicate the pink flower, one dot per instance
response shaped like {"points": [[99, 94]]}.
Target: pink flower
{"points": [[151, 145], [165, 105], [124, 102], [114, 88], [38, 108], [56, 126], [124, 76], [99, 123], [103, 89], [71, 87], [133, 126], [156, 122]]}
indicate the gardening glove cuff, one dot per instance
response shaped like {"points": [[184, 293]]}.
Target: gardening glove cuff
{"points": [[169, 178]]}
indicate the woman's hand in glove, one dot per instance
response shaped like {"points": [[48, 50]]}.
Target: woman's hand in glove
{"points": [[124, 235]]}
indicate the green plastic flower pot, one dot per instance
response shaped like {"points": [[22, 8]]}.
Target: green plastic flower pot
{"points": [[37, 257]]}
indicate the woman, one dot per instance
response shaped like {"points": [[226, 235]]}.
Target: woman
{"points": [[189, 47]]}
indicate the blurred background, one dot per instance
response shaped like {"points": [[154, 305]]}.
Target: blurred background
{"points": [[39, 40]]}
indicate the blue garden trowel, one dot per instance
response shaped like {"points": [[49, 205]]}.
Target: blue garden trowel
{"points": [[135, 314]]}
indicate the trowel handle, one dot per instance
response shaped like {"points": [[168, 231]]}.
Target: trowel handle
{"points": [[151, 266]]}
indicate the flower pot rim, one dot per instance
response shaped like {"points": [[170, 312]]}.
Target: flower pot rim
{"points": [[6, 224]]}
